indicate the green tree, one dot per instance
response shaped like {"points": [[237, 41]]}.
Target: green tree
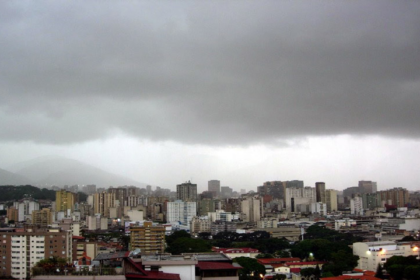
{"points": [[326, 274], [188, 245], [222, 243], [177, 234], [412, 272], [269, 245], [307, 272], [320, 248], [264, 256], [396, 271], [341, 261], [408, 238], [251, 268], [405, 261], [283, 254], [379, 273]]}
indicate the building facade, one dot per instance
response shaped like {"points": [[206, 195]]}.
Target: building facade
{"points": [[320, 192], [22, 249], [148, 238], [64, 201], [186, 192], [331, 200], [214, 187], [181, 212]]}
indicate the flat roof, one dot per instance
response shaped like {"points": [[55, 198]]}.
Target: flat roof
{"points": [[216, 266]]}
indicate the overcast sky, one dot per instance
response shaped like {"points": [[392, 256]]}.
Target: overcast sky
{"points": [[240, 91]]}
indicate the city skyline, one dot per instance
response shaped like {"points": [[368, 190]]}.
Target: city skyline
{"points": [[241, 92]]}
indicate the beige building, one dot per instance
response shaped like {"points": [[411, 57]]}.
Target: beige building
{"points": [[81, 246], [102, 202], [42, 218], [12, 214], [148, 238], [252, 208], [199, 224], [64, 201], [267, 223], [331, 200]]}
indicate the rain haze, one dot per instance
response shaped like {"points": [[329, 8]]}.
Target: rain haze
{"points": [[240, 91]]}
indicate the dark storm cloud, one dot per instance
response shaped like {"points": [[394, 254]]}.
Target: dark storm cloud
{"points": [[208, 72]]}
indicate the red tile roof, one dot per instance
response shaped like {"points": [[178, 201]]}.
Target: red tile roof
{"points": [[77, 237], [147, 274], [303, 263]]}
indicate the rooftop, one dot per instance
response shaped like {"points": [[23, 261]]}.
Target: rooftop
{"points": [[216, 266]]}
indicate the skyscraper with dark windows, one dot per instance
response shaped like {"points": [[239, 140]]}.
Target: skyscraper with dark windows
{"points": [[186, 191], [320, 192]]}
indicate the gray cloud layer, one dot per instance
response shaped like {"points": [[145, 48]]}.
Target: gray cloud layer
{"points": [[208, 72]]}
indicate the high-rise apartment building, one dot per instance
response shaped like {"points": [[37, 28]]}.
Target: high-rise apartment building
{"points": [[252, 207], [214, 187], [121, 196], [320, 192], [42, 218], [12, 214], [295, 196], [200, 224], [294, 184], [186, 191], [22, 249], [331, 200], [148, 238], [148, 189], [356, 206], [181, 212], [396, 196], [206, 205], [90, 189], [102, 202], [226, 192], [64, 201], [25, 208], [273, 188], [367, 187]]}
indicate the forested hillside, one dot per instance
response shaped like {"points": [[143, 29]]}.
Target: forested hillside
{"points": [[8, 193]]}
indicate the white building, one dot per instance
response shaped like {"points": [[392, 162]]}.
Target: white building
{"points": [[295, 197], [373, 253], [221, 215], [319, 207], [267, 223], [344, 223], [356, 206], [181, 212], [25, 209]]}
